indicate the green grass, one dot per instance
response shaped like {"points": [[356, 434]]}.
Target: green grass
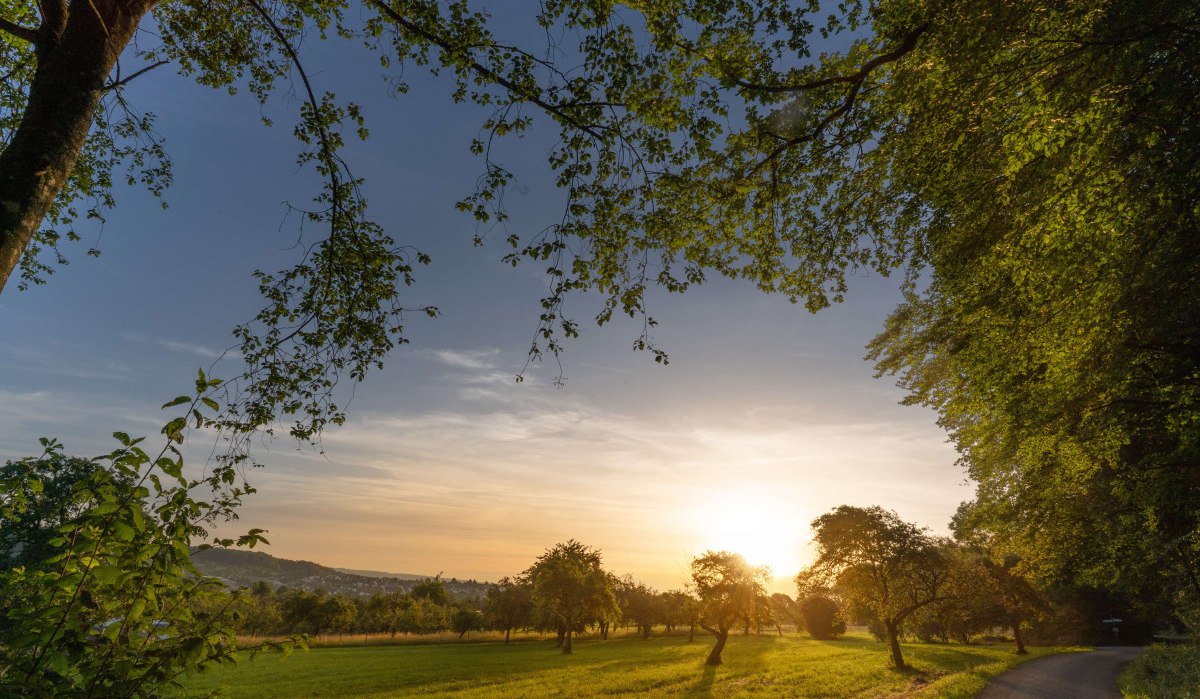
{"points": [[760, 666], [1163, 672]]}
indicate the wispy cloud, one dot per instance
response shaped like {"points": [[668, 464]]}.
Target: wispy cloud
{"points": [[200, 350], [465, 359]]}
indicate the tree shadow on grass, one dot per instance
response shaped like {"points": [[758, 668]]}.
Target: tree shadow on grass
{"points": [[743, 659], [704, 684]]}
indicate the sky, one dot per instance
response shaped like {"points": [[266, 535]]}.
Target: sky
{"points": [[766, 417]]}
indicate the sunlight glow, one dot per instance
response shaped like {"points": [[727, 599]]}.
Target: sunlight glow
{"points": [[761, 527]]}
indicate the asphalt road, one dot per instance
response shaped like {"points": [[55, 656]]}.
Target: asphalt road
{"points": [[1090, 675]]}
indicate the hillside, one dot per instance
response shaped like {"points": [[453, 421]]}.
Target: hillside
{"points": [[244, 568]]}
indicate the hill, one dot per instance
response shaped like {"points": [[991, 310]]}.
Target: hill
{"points": [[244, 568], [381, 574]]}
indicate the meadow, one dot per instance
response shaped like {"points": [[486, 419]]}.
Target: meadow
{"points": [[758, 666]]}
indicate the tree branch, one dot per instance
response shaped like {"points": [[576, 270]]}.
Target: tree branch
{"points": [[19, 31], [54, 18], [906, 46], [556, 109], [120, 82]]}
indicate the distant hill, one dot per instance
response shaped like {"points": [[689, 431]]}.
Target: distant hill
{"points": [[381, 574], [244, 568]]}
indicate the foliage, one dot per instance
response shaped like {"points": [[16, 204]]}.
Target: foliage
{"points": [[465, 618], [727, 589], [879, 563], [640, 604], [1163, 672], [1057, 334], [432, 589], [509, 605], [111, 605], [822, 617], [570, 588], [39, 497]]}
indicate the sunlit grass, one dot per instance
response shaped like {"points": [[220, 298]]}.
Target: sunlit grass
{"points": [[762, 666]]}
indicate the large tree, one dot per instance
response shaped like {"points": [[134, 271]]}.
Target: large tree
{"points": [[881, 564], [570, 588], [1055, 153], [728, 589]]}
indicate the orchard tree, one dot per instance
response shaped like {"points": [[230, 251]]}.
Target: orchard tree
{"points": [[728, 589], [640, 604], [570, 588], [432, 589], [879, 563], [509, 605]]}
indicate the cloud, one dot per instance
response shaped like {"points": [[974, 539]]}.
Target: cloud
{"points": [[200, 350], [479, 359]]}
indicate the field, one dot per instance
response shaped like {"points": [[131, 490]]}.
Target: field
{"points": [[760, 666]]}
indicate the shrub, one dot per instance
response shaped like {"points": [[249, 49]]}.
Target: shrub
{"points": [[822, 617]]}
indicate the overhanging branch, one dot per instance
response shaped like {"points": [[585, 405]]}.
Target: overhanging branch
{"points": [[21, 32]]}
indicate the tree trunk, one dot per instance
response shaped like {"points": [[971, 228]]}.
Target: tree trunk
{"points": [[506, 632], [1016, 629], [76, 52], [646, 631], [714, 657], [692, 632], [566, 646], [893, 639]]}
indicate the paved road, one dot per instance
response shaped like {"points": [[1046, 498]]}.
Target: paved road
{"points": [[1070, 676]]}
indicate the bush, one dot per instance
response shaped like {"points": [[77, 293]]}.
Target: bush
{"points": [[1164, 672], [822, 617], [105, 601]]}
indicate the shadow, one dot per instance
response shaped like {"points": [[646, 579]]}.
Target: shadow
{"points": [[704, 684]]}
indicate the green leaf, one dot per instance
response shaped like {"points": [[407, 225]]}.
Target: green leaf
{"points": [[177, 401]]}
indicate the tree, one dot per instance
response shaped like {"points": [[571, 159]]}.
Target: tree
{"points": [[878, 562], [728, 589], [432, 589], [509, 605], [680, 609], [570, 588], [425, 616], [640, 604], [783, 609], [1058, 336], [465, 618]]}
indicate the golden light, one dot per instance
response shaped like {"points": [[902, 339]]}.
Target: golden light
{"points": [[761, 527]]}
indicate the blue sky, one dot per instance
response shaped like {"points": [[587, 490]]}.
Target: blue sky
{"points": [[766, 417]]}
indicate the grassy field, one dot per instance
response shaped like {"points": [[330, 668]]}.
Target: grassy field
{"points": [[760, 666]]}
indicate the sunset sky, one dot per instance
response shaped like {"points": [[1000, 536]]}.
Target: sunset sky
{"points": [[766, 417]]}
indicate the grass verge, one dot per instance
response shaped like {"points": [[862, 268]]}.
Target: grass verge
{"points": [[1163, 672]]}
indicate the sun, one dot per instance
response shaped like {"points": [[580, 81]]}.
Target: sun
{"points": [[764, 529]]}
